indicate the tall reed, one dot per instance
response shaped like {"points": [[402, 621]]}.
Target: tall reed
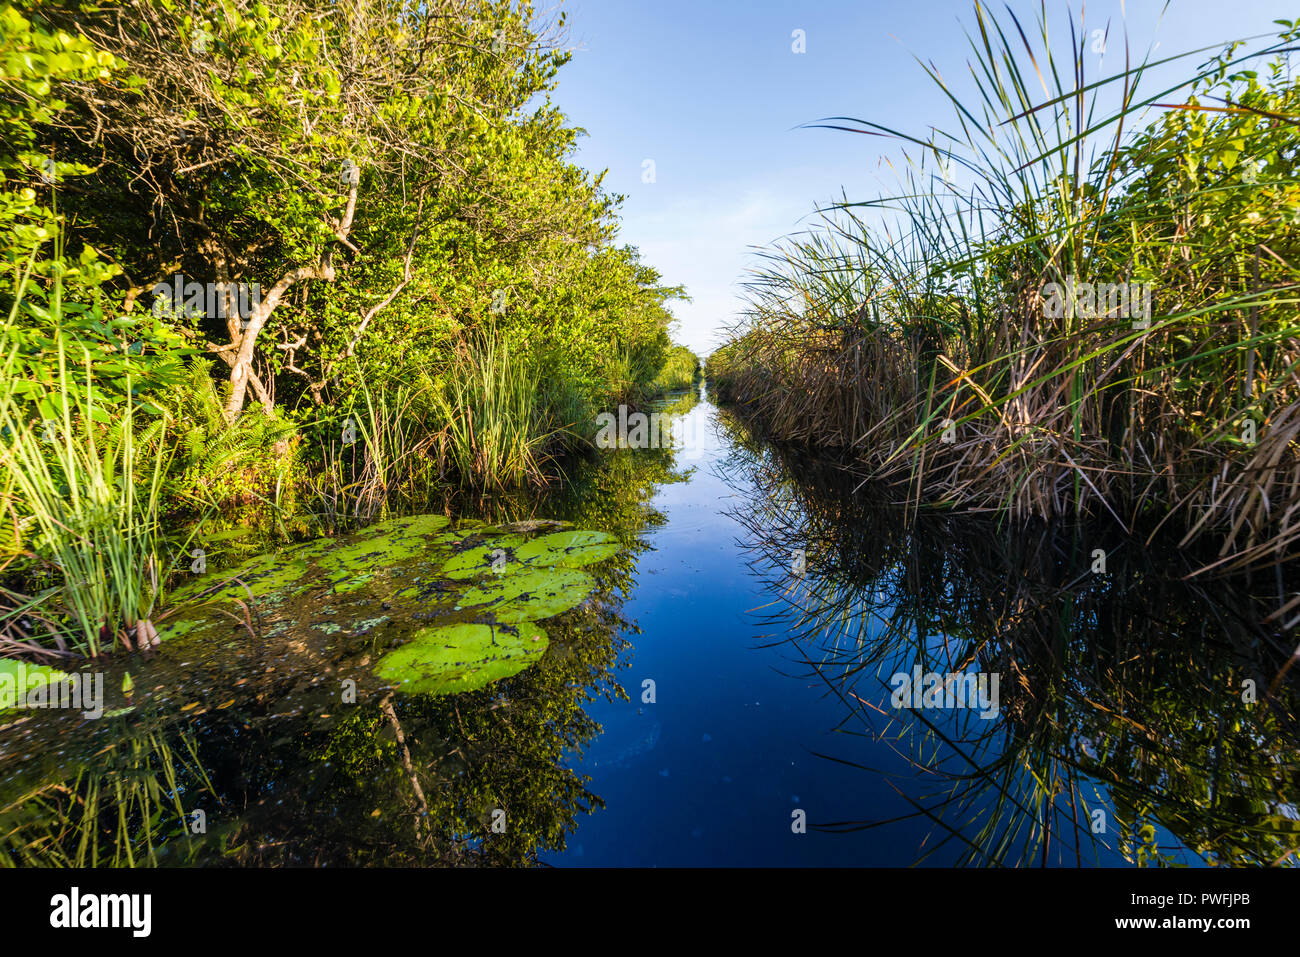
{"points": [[380, 447], [86, 482], [926, 334], [493, 420]]}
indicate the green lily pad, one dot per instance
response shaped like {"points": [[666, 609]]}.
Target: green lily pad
{"points": [[478, 560], [17, 678], [477, 622], [568, 549], [386, 549], [448, 659], [261, 576], [313, 549], [177, 628], [529, 595], [411, 525], [239, 531]]}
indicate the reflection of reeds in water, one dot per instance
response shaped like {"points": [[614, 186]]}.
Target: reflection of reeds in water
{"points": [[119, 809], [1119, 692]]}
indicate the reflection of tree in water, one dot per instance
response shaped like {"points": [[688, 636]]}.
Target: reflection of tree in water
{"points": [[393, 780], [1120, 692], [415, 779], [435, 769], [123, 807]]}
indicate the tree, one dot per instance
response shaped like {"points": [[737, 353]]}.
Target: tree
{"points": [[249, 136]]}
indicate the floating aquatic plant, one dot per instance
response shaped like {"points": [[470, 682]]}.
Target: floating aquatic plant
{"points": [[450, 658], [496, 555], [18, 678], [569, 549], [483, 588], [528, 595]]}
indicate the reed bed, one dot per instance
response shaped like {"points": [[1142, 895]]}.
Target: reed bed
{"points": [[1054, 315], [490, 408], [378, 454], [83, 492], [488, 421]]}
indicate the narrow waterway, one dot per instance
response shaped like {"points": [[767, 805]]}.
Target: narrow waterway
{"points": [[715, 769], [728, 695]]}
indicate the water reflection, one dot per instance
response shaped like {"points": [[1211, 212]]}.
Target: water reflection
{"points": [[242, 752], [1120, 694], [122, 807], [1141, 715]]}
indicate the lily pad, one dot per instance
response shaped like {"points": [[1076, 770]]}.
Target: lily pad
{"points": [[313, 549], [365, 554], [478, 560], [176, 628], [568, 549], [261, 576], [529, 595], [476, 621], [453, 658], [18, 678], [353, 583], [411, 525], [239, 531]]}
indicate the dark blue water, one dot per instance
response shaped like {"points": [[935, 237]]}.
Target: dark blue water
{"points": [[739, 735], [711, 772], [758, 727]]}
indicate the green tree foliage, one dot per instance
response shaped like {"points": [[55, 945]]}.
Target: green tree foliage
{"points": [[681, 370], [386, 176], [352, 213], [35, 62]]}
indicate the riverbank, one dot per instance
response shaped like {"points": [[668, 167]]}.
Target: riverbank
{"points": [[1052, 323], [306, 323]]}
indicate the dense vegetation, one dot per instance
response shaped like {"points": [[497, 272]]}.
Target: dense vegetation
{"points": [[681, 370], [307, 257], [1058, 316]]}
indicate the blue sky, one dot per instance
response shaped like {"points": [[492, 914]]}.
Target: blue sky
{"points": [[713, 93]]}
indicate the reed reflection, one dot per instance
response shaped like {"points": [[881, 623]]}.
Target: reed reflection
{"points": [[1142, 716]]}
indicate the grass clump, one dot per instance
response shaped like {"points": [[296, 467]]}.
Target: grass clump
{"points": [[489, 404], [86, 480]]}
